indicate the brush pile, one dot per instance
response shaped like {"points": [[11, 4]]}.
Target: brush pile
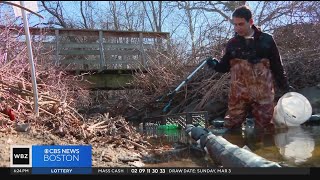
{"points": [[59, 95], [299, 49]]}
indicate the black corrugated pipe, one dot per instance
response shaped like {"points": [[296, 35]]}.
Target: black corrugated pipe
{"points": [[224, 152]]}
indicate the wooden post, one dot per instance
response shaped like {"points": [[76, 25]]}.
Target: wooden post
{"points": [[57, 60], [142, 50], [189, 118], [101, 49], [168, 43]]}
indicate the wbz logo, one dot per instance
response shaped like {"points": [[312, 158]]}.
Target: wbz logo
{"points": [[21, 156]]}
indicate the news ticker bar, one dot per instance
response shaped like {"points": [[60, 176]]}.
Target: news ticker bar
{"points": [[162, 171]]}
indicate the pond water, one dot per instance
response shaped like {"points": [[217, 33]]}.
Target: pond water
{"points": [[293, 147], [179, 153]]}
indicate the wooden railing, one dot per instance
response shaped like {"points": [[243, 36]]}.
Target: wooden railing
{"points": [[85, 49]]}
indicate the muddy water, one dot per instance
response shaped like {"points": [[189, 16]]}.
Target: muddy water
{"points": [[174, 150], [294, 147]]}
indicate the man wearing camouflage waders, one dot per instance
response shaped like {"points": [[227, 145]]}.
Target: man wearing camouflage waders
{"points": [[253, 59]]}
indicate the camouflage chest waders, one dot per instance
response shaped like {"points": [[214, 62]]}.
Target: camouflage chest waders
{"points": [[251, 88]]}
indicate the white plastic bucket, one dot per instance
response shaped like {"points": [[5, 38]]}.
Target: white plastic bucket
{"points": [[292, 109]]}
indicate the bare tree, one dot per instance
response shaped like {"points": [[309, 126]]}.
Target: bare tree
{"points": [[306, 11], [191, 28], [133, 16], [263, 12], [157, 12], [223, 8], [191, 18], [55, 8], [7, 17], [153, 22], [273, 10], [86, 9], [114, 13]]}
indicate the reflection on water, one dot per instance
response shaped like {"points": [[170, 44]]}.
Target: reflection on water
{"points": [[295, 146], [179, 153]]}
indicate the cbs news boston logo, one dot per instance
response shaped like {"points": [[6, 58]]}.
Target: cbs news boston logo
{"points": [[56, 159]]}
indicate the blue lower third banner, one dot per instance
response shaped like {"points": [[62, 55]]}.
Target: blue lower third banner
{"points": [[61, 159]]}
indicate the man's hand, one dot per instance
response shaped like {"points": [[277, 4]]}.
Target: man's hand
{"points": [[212, 63]]}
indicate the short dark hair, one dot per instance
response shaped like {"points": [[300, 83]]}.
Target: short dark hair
{"points": [[242, 12]]}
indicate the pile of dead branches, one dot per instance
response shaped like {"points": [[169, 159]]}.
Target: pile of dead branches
{"points": [[59, 95], [299, 49], [166, 74], [55, 87], [115, 130]]}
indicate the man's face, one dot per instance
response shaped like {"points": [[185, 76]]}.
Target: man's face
{"points": [[241, 26]]}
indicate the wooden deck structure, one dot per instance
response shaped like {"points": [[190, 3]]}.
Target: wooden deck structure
{"points": [[115, 54], [93, 49]]}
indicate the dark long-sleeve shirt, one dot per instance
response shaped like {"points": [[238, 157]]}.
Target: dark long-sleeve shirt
{"points": [[262, 46]]}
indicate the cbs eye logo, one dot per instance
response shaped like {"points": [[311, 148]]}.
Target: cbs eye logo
{"points": [[21, 156]]}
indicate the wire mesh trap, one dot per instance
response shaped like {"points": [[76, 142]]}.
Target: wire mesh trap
{"points": [[175, 121]]}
